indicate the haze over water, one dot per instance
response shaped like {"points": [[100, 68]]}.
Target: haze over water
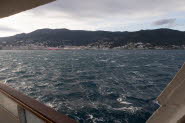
{"points": [[93, 86]]}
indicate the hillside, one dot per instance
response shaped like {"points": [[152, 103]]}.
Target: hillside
{"points": [[161, 38]]}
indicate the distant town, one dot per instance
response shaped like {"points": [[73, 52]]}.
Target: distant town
{"points": [[130, 46]]}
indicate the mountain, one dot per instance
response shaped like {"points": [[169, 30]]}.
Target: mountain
{"points": [[64, 37]]}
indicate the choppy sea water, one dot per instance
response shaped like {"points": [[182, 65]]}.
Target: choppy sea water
{"points": [[93, 86]]}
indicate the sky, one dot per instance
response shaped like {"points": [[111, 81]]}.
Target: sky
{"points": [[108, 15]]}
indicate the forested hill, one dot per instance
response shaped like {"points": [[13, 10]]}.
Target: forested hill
{"points": [[65, 37]]}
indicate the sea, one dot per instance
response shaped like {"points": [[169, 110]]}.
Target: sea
{"points": [[93, 86]]}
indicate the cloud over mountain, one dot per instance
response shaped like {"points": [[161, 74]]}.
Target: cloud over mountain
{"points": [[7, 29], [165, 22]]}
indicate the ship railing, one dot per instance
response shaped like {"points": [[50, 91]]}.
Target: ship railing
{"points": [[16, 107]]}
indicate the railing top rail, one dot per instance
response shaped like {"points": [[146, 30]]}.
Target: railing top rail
{"points": [[40, 110]]}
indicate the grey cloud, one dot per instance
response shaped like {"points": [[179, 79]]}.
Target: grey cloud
{"points": [[7, 29], [165, 22], [104, 8]]}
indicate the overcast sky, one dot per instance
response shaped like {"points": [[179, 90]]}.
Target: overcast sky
{"points": [[110, 15]]}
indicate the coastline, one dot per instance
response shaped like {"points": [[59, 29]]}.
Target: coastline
{"points": [[89, 48]]}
